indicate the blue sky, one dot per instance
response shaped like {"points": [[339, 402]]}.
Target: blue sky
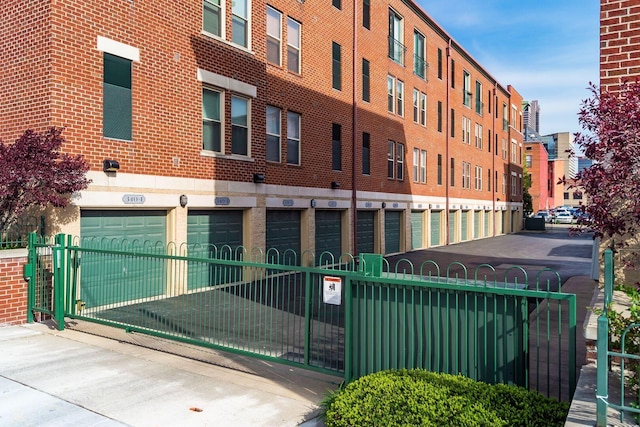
{"points": [[547, 49]]}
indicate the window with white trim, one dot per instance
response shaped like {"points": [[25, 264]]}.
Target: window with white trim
{"points": [[294, 35], [395, 160], [396, 37], [514, 151], [504, 183], [419, 49], [391, 91], [479, 103], [212, 102], [423, 166], [466, 88], [423, 109], [213, 17], [293, 138], [466, 175], [419, 165], [240, 108], [400, 98], [478, 138], [240, 22], [466, 130], [273, 134], [117, 99], [274, 36], [504, 149], [478, 178]]}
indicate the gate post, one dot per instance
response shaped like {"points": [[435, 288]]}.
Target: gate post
{"points": [[59, 256], [29, 274], [602, 346]]}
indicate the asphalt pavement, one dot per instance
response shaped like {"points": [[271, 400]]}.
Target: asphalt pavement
{"points": [[62, 378]]}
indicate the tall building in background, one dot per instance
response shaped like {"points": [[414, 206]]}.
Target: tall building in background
{"points": [[531, 118]]}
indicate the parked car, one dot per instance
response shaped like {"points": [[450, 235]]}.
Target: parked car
{"points": [[563, 217], [543, 214]]}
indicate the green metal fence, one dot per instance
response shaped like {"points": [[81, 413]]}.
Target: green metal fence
{"points": [[17, 235], [347, 316], [624, 357]]}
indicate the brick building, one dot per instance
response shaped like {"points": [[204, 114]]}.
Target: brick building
{"points": [[332, 127], [619, 42]]}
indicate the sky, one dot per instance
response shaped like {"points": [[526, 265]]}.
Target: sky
{"points": [[548, 50]]}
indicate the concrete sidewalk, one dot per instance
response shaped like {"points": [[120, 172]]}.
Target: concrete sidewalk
{"points": [[62, 378]]}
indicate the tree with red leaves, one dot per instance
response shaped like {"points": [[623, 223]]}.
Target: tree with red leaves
{"points": [[33, 172]]}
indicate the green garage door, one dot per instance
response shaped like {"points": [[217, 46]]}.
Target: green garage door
{"points": [[436, 219], [366, 232], [328, 236], [476, 224], [392, 231], [213, 234], [283, 235], [487, 217], [464, 226], [452, 227], [416, 229], [108, 279]]}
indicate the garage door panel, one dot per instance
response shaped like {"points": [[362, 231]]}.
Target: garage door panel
{"points": [[392, 224], [328, 236], [283, 234], [416, 229], [436, 219], [366, 232]]}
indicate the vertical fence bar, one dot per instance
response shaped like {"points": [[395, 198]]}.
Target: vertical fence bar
{"points": [[307, 319], [58, 263], [602, 366], [572, 345], [348, 330], [31, 275]]}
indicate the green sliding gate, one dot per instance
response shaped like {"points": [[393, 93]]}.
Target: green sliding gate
{"points": [[351, 318]]}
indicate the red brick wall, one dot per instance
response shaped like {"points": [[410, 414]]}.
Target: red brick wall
{"points": [[13, 291], [619, 42]]}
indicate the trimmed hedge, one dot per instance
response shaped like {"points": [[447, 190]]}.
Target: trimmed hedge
{"points": [[421, 398]]}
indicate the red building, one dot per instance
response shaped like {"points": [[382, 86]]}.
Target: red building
{"points": [[351, 127]]}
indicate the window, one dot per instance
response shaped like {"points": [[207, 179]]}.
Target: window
{"points": [[423, 109], [366, 14], [400, 98], [514, 116], [240, 10], [466, 130], [274, 35], [395, 160], [489, 139], [239, 126], [211, 120], [273, 134], [365, 80], [396, 36], [489, 102], [336, 76], [504, 183], [489, 180], [528, 160], [504, 149], [212, 17], [399, 161], [453, 123], [293, 45], [439, 169], [514, 151], [577, 195], [117, 100], [293, 138], [514, 184], [419, 165], [416, 165], [452, 172], [419, 64], [440, 63], [478, 97], [505, 122], [391, 150], [391, 84], [336, 147], [337, 4], [566, 195], [466, 175], [416, 105], [439, 116], [478, 178], [479, 131], [366, 154], [466, 89], [453, 74]]}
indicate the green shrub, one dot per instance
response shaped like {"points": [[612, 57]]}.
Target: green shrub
{"points": [[422, 398]]}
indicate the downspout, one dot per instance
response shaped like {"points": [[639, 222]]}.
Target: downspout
{"points": [[354, 136], [493, 160], [447, 132]]}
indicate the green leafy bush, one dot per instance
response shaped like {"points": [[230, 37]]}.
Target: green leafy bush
{"points": [[422, 398]]}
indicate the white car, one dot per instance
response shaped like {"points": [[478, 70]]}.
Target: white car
{"points": [[563, 217]]}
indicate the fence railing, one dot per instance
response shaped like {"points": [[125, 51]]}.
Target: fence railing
{"points": [[349, 315], [624, 355], [17, 235]]}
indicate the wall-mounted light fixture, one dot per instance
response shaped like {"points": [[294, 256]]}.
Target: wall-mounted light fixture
{"points": [[110, 165], [313, 203], [184, 200], [430, 206], [335, 185], [384, 205], [258, 178]]}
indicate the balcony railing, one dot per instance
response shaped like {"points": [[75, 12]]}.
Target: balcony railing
{"points": [[396, 50], [420, 67]]}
